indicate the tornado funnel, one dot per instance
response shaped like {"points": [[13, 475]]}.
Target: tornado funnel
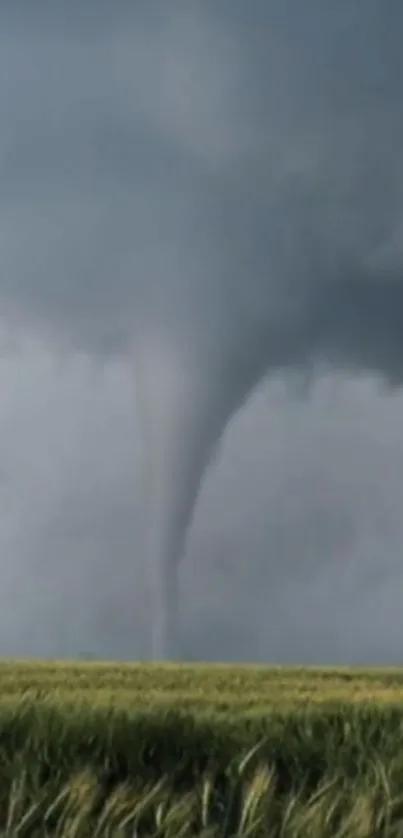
{"points": [[185, 402]]}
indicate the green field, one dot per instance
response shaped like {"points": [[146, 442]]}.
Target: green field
{"points": [[103, 749], [196, 688]]}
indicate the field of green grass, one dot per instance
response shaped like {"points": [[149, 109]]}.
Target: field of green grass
{"points": [[131, 750], [197, 688]]}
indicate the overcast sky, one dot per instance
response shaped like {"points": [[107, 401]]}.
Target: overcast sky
{"points": [[111, 119]]}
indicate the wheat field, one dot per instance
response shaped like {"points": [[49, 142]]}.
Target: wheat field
{"points": [[114, 750], [197, 688]]}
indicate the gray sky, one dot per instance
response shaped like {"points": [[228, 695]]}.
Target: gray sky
{"points": [[139, 149]]}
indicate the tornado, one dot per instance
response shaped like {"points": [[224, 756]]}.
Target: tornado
{"points": [[190, 383], [185, 403]]}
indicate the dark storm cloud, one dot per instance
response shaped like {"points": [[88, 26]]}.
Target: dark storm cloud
{"points": [[179, 154]]}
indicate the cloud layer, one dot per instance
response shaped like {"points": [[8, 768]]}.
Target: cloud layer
{"points": [[181, 155]]}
